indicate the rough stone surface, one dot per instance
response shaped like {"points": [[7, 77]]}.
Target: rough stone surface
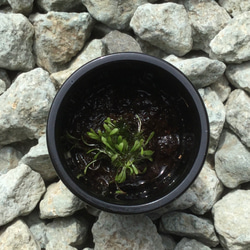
{"points": [[59, 36], [190, 226], [239, 75], [9, 158], [16, 42], [168, 242], [91, 51], [58, 201], [165, 26], [54, 245], [21, 189], [188, 244], [232, 161], [113, 13], [17, 236], [238, 115], [60, 5], [201, 71], [231, 218], [112, 231], [235, 7], [203, 30], [5, 78], [25, 105], [2, 86], [68, 231], [38, 159], [216, 116], [222, 88], [117, 41], [21, 6], [232, 44]]}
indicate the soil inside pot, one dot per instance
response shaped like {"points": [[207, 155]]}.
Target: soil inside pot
{"points": [[159, 112]]}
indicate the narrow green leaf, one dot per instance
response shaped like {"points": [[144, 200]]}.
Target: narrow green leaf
{"points": [[150, 137], [135, 147], [148, 152], [106, 127], [114, 131], [120, 146], [119, 139], [121, 177], [114, 157]]}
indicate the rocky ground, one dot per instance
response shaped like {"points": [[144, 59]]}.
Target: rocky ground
{"points": [[43, 41]]}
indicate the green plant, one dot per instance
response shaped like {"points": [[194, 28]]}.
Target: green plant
{"points": [[124, 148]]}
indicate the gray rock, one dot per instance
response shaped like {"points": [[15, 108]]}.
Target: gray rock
{"points": [[201, 71], [25, 105], [59, 36], [239, 75], [38, 159], [232, 161], [60, 5], [165, 26], [58, 201], [21, 189], [67, 231], [37, 228], [203, 30], [9, 158], [231, 217], [113, 13], [117, 41], [238, 115], [189, 244], [168, 242], [17, 236], [235, 7], [16, 42], [216, 115], [222, 88], [21, 6], [113, 231], [232, 44], [3, 2], [91, 51], [58, 245], [188, 225], [207, 188]]}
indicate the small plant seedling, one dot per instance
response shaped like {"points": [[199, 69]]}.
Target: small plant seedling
{"points": [[125, 150]]}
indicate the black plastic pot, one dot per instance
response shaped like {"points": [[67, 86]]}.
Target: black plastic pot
{"points": [[118, 69]]}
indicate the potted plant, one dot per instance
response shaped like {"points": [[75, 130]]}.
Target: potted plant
{"points": [[127, 133]]}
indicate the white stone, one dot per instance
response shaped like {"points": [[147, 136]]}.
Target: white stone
{"points": [[239, 75], [190, 244], [25, 106], [17, 236], [238, 115], [232, 220], [38, 159], [21, 189], [21, 6], [165, 26], [16, 42], [59, 36], [113, 231], [235, 7], [201, 71], [232, 43], [216, 116], [232, 161], [58, 201], [222, 88]]}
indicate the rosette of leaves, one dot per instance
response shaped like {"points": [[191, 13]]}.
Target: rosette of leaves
{"points": [[125, 150]]}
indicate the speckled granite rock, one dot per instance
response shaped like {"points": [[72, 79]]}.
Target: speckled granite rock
{"points": [[25, 106], [231, 218], [59, 36], [21, 189], [188, 244], [165, 26], [21, 6], [113, 231], [235, 7]]}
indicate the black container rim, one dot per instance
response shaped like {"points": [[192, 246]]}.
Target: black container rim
{"points": [[117, 208]]}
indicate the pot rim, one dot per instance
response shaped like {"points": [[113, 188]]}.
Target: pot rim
{"points": [[118, 208]]}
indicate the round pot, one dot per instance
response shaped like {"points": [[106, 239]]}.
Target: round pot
{"points": [[132, 73]]}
